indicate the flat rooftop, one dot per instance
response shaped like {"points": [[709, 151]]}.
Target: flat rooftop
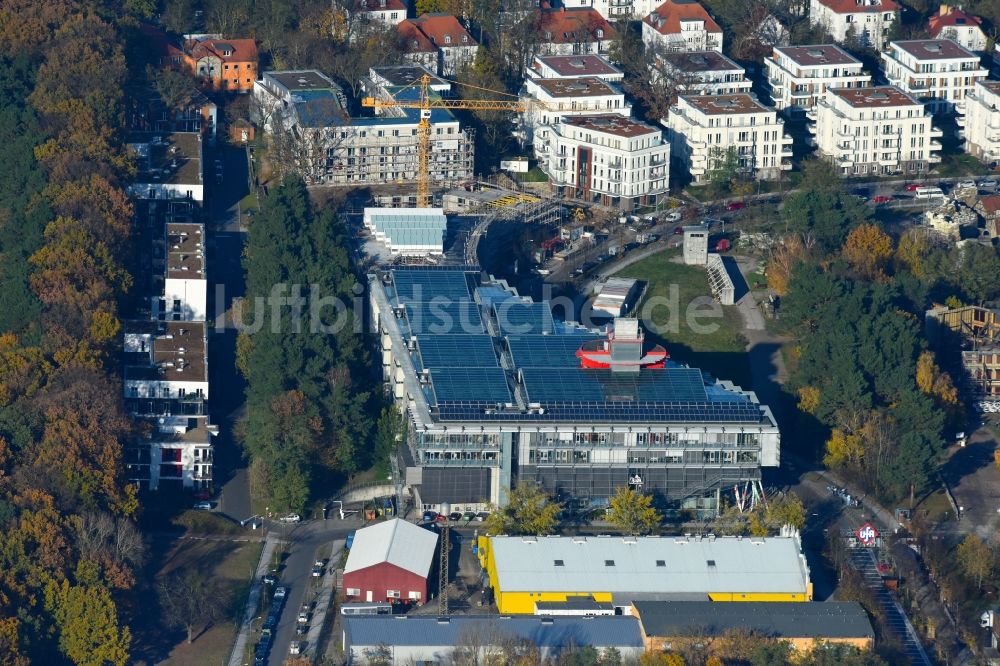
{"points": [[405, 75], [725, 104], [611, 124], [874, 97], [934, 49], [817, 54], [528, 367], [177, 352], [168, 158], [990, 85], [185, 251], [303, 79], [665, 565], [579, 65], [693, 62], [585, 86], [778, 619]]}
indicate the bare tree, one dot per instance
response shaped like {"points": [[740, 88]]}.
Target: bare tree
{"points": [[190, 600], [486, 643]]}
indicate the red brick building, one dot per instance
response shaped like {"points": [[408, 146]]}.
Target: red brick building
{"points": [[225, 65], [389, 561]]}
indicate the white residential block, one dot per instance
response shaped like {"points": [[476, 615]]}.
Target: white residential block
{"points": [[799, 75], [704, 128], [876, 131], [608, 159], [681, 25], [938, 72], [867, 21], [982, 122], [701, 73]]}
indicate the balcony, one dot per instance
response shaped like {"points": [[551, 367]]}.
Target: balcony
{"points": [[845, 161], [935, 145], [801, 94], [892, 161], [786, 165], [786, 151], [934, 159], [936, 132]]}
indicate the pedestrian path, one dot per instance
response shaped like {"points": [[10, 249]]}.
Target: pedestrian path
{"points": [[324, 600], [253, 601], [864, 563]]}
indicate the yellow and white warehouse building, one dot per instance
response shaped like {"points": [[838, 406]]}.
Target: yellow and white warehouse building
{"points": [[525, 570]]}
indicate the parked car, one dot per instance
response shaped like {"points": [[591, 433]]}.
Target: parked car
{"points": [[303, 618], [482, 515], [301, 629], [280, 592], [294, 648], [965, 185], [441, 518], [673, 216], [735, 205], [430, 516], [468, 516], [912, 187], [317, 572], [269, 579], [882, 198], [988, 184], [291, 518], [678, 231], [860, 197], [455, 516], [203, 506]]}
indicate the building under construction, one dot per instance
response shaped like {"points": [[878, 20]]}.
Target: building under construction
{"points": [[975, 331], [306, 109]]}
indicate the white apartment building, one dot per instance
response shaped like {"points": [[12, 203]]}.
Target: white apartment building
{"points": [[564, 97], [704, 128], [574, 66], [337, 150], [938, 72], [877, 130], [982, 122], [956, 24], [798, 76], [868, 21], [681, 25], [387, 13], [169, 165], [166, 368], [608, 159], [185, 285], [701, 73], [614, 10]]}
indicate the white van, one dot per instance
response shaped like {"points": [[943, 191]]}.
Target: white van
{"points": [[928, 193]]}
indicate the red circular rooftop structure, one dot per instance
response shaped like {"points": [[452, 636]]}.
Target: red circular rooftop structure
{"points": [[622, 350]]}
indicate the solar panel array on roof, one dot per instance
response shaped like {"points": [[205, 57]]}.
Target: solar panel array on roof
{"points": [[463, 384], [425, 285], [444, 351], [524, 318], [674, 385], [546, 351], [448, 317]]}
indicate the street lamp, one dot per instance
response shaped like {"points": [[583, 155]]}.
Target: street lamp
{"points": [[250, 639]]}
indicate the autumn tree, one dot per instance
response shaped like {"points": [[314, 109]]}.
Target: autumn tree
{"points": [[87, 624], [785, 256], [975, 559], [529, 510], [934, 381], [633, 512], [912, 251], [786, 509], [868, 250]]}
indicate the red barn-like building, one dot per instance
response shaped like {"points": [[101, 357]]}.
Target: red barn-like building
{"points": [[388, 561]]}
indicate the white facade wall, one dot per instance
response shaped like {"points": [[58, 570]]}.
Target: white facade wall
{"points": [[982, 122], [154, 190], [692, 37], [699, 138], [870, 140], [797, 87], [193, 295], [971, 37], [869, 24], [454, 58], [614, 10], [627, 169], [725, 81], [942, 83], [537, 120]]}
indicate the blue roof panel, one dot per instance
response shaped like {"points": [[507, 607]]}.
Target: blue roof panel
{"points": [[443, 351], [483, 385]]}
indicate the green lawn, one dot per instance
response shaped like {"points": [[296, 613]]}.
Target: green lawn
{"points": [[231, 563], [674, 289]]}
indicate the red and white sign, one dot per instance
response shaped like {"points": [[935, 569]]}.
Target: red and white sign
{"points": [[867, 534]]}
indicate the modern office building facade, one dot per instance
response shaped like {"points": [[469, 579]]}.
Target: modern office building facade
{"points": [[496, 391]]}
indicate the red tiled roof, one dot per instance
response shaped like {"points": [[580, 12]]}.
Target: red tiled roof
{"points": [[413, 38], [990, 204], [442, 30], [954, 17], [672, 13], [377, 6], [856, 7], [578, 24], [243, 50]]}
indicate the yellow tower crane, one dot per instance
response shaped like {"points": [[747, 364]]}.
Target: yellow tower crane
{"points": [[425, 102]]}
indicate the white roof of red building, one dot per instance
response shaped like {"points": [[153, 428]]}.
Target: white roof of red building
{"points": [[395, 542]]}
